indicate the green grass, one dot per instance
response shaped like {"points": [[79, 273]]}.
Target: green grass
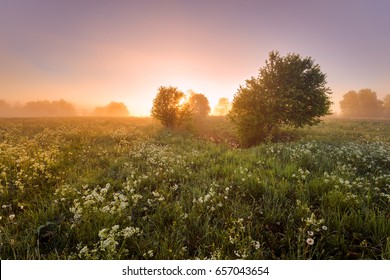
{"points": [[87, 188]]}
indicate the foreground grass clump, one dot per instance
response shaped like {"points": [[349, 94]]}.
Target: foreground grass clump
{"points": [[128, 189]]}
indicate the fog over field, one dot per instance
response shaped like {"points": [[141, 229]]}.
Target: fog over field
{"points": [[93, 52]]}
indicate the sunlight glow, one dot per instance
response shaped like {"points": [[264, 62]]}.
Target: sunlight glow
{"points": [[183, 101], [126, 53]]}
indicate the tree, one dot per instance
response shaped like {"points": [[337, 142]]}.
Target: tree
{"points": [[289, 90], [386, 106], [363, 104], [114, 109], [370, 105], [222, 108], [199, 105], [167, 107], [63, 108], [5, 109], [350, 104], [45, 108]]}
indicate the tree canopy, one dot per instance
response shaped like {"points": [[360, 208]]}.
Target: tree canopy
{"points": [[222, 108], [114, 109], [363, 103], [45, 108], [39, 108], [386, 106], [198, 104], [289, 90], [167, 107], [5, 109]]}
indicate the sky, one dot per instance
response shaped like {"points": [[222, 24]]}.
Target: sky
{"points": [[94, 52]]}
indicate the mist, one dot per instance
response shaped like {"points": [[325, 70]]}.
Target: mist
{"points": [[60, 108]]}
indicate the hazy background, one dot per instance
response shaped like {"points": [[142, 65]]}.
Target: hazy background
{"points": [[94, 52]]}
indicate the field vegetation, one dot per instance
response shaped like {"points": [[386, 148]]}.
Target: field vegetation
{"points": [[128, 188]]}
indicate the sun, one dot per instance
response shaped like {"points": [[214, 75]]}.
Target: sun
{"points": [[183, 101]]}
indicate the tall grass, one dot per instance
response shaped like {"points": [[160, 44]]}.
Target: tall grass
{"points": [[129, 189]]}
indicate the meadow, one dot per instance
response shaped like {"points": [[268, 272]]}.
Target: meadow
{"points": [[126, 188]]}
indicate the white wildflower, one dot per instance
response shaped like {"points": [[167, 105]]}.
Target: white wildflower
{"points": [[310, 241], [130, 231]]}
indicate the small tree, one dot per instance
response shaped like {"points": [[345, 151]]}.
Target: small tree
{"points": [[114, 109], [199, 105], [167, 107], [222, 108], [350, 105], [289, 90]]}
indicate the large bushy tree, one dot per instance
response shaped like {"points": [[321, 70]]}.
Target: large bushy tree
{"points": [[289, 90]]}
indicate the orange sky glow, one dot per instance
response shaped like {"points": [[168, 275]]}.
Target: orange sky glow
{"points": [[94, 52]]}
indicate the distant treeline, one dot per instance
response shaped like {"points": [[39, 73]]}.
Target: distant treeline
{"points": [[364, 104], [61, 108]]}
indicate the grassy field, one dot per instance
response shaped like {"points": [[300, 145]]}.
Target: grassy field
{"points": [[88, 188]]}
